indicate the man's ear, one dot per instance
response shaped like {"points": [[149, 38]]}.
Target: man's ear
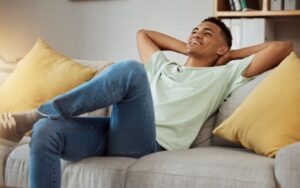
{"points": [[222, 50]]}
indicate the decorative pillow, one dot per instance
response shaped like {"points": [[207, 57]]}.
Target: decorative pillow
{"points": [[41, 75], [231, 103], [269, 118]]}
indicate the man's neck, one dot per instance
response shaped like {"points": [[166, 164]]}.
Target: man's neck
{"points": [[193, 62]]}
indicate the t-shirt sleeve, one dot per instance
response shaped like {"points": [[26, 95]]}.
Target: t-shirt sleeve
{"points": [[236, 70], [155, 63]]}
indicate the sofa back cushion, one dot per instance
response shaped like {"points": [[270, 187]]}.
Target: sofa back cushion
{"points": [[100, 65], [204, 136], [5, 70], [231, 103]]}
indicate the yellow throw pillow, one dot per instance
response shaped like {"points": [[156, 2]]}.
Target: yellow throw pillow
{"points": [[41, 75], [269, 118]]}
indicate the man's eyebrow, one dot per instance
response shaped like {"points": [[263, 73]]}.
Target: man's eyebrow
{"points": [[204, 29], [208, 29]]}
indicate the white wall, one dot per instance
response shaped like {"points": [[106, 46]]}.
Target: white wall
{"points": [[105, 29], [17, 29], [94, 29]]}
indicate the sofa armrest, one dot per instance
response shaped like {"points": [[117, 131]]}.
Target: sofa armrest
{"points": [[4, 152], [287, 166]]}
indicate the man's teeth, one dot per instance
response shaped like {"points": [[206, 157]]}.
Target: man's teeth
{"points": [[195, 43]]}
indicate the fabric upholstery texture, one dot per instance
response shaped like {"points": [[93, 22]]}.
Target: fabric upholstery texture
{"points": [[17, 167], [204, 136], [269, 118], [209, 167], [4, 152], [110, 171], [231, 104], [41, 75], [106, 172], [100, 66], [287, 164], [5, 70]]}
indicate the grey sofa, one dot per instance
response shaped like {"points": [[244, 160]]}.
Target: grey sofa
{"points": [[210, 163]]}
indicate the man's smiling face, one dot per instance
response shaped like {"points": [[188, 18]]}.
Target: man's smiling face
{"points": [[205, 40]]}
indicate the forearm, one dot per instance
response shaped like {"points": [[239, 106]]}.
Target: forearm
{"points": [[267, 56], [165, 42], [247, 51]]}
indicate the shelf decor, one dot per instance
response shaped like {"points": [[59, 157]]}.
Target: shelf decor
{"points": [[223, 10]]}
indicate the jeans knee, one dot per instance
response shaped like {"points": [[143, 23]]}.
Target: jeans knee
{"points": [[133, 67], [43, 127], [44, 135], [136, 70]]}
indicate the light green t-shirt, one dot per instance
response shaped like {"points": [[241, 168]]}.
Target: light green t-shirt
{"points": [[184, 97]]}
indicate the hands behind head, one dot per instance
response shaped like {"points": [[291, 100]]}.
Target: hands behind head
{"points": [[224, 59]]}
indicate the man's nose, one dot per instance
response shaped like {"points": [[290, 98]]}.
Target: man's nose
{"points": [[198, 34]]}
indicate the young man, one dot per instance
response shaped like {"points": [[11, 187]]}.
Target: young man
{"points": [[167, 113]]}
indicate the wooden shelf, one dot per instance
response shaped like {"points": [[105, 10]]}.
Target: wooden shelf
{"points": [[279, 13], [222, 10]]}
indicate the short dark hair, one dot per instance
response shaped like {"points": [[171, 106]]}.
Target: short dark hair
{"points": [[225, 31]]}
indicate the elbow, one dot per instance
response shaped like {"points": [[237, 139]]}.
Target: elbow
{"points": [[141, 32], [290, 47], [287, 47]]}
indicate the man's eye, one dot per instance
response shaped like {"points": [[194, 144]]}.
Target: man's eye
{"points": [[208, 34], [193, 32]]}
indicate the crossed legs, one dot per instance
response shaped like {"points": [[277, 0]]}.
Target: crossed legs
{"points": [[130, 131]]}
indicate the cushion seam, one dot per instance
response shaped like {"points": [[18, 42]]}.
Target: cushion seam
{"points": [[211, 177]]}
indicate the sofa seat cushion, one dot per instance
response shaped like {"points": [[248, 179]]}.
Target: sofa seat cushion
{"points": [[209, 167], [94, 172], [16, 169]]}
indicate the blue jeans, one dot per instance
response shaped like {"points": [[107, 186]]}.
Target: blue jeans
{"points": [[129, 132]]}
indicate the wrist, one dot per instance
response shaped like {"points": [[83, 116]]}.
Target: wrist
{"points": [[232, 55], [184, 48]]}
